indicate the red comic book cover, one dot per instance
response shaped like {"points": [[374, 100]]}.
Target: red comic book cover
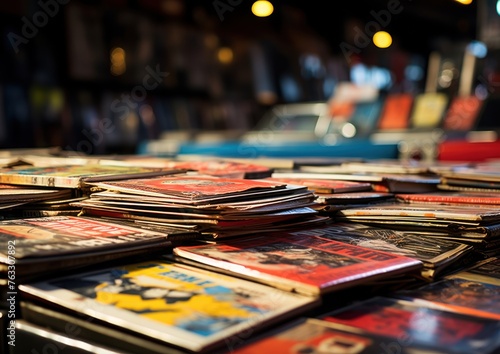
{"points": [[310, 335], [451, 198], [418, 325], [309, 265], [189, 186], [462, 113], [219, 168]]}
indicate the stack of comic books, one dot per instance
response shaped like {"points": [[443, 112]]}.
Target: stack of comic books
{"points": [[12, 196], [31, 248], [157, 306], [208, 166], [75, 176], [439, 256], [478, 226], [381, 182], [458, 314], [217, 206], [481, 178], [332, 194]]}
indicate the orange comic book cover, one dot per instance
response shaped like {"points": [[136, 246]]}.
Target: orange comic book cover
{"points": [[396, 111]]}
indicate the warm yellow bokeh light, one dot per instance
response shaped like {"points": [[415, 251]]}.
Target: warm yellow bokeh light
{"points": [[464, 2], [117, 57], [382, 39], [225, 55], [262, 8]]}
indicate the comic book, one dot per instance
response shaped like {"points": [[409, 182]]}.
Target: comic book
{"points": [[437, 255], [327, 185], [217, 167], [451, 198], [489, 268], [428, 110], [192, 189], [88, 333], [462, 113], [265, 204], [353, 198], [311, 335], [396, 111], [30, 338], [170, 303], [425, 327], [382, 182], [75, 176], [14, 193], [37, 246], [464, 174], [304, 264], [446, 213], [461, 292]]}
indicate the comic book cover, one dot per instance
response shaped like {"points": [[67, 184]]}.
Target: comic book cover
{"points": [[460, 292], [327, 185], [311, 335], [16, 193], [431, 212], [309, 265], [396, 111], [203, 165], [86, 331], [74, 176], [263, 206], [30, 338], [222, 168], [353, 197], [212, 220], [171, 303], [273, 201], [426, 327], [489, 268], [428, 110], [436, 254], [192, 188], [479, 174], [451, 198], [39, 245], [462, 113]]}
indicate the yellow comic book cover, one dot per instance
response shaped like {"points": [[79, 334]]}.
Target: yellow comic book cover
{"points": [[176, 304]]}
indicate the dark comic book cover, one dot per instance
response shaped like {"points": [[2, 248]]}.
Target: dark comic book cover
{"points": [[423, 326]]}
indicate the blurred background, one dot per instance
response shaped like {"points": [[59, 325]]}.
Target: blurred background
{"points": [[109, 76]]}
